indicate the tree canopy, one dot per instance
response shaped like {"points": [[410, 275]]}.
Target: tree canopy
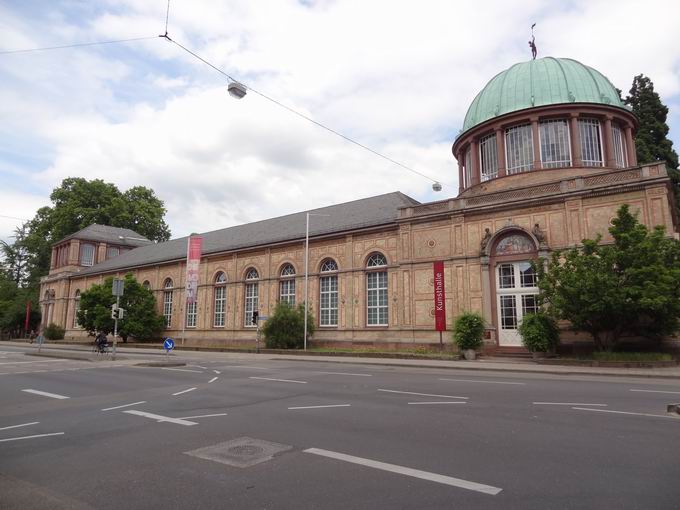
{"points": [[629, 287], [141, 319]]}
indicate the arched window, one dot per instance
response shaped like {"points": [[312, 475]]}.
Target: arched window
{"points": [[376, 291], [76, 308], [591, 142], [519, 149], [220, 300], [287, 284], [328, 293], [167, 302], [251, 296], [146, 285]]}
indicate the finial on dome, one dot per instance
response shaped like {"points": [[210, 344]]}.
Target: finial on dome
{"points": [[532, 43]]}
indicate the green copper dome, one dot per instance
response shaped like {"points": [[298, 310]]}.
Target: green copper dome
{"points": [[540, 82]]}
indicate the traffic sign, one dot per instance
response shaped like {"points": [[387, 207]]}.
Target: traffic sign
{"points": [[169, 344], [117, 287]]}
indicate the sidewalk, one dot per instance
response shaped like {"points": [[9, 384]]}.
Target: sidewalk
{"points": [[484, 364]]}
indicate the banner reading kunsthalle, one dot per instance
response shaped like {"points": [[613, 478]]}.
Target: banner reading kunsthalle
{"points": [[193, 261], [439, 297]]}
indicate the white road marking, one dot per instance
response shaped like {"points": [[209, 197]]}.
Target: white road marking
{"points": [[24, 362], [246, 366], [658, 391], [202, 416], [22, 425], [183, 370], [421, 394], [32, 437], [319, 407], [217, 371], [212, 380], [484, 382], [45, 394], [401, 470], [626, 412], [125, 405], [420, 403], [345, 373], [159, 418], [183, 391], [198, 366], [278, 380], [566, 404]]}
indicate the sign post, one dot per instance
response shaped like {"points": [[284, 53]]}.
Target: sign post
{"points": [[439, 301], [168, 345], [194, 244], [116, 290]]}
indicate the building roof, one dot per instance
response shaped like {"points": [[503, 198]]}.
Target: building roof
{"points": [[106, 234], [367, 212], [540, 82]]}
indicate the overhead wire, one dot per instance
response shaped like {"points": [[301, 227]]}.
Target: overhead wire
{"points": [[76, 45]]}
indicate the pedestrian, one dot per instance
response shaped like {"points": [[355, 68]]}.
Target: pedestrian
{"points": [[31, 336]]}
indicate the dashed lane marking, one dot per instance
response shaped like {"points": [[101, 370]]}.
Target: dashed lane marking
{"points": [[401, 470], [421, 394], [183, 391], [627, 412], [22, 425], [425, 403], [345, 373], [198, 366], [125, 405], [320, 407], [278, 380], [658, 391], [567, 404], [217, 371], [46, 394], [25, 362], [202, 416], [482, 382], [212, 380], [32, 437], [183, 370], [160, 419]]}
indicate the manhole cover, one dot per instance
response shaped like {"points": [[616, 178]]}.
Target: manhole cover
{"points": [[242, 452]]}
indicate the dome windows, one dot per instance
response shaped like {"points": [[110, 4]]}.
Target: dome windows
{"points": [[591, 142], [555, 150], [619, 146], [488, 157], [519, 149]]}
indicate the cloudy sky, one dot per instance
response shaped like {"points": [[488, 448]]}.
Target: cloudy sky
{"points": [[395, 75]]}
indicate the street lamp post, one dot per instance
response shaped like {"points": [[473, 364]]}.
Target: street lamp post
{"points": [[307, 270]]}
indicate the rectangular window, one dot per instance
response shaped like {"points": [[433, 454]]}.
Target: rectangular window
{"points": [[519, 149], [529, 304], [112, 251], [488, 157], [328, 306], [76, 308], [508, 312], [167, 307], [619, 146], [467, 173], [287, 291], [220, 306], [506, 276], [251, 303], [527, 275], [591, 142], [376, 299], [191, 314], [555, 145], [86, 254]]}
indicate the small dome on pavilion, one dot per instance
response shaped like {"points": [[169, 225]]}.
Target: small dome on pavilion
{"points": [[540, 82]]}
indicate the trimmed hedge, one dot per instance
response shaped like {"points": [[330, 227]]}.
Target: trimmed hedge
{"points": [[539, 332], [468, 331], [54, 332]]}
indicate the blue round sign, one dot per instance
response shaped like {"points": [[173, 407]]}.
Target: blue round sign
{"points": [[169, 344]]}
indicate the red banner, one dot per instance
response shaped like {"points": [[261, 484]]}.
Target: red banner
{"points": [[193, 261], [439, 297]]}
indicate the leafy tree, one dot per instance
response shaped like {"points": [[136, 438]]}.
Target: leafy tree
{"points": [[13, 306], [16, 256], [652, 142], [141, 319], [285, 329], [628, 287], [468, 330], [78, 203]]}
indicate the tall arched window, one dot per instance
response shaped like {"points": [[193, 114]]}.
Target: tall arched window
{"points": [[251, 297], [220, 300], [467, 173], [146, 285], [619, 142], [488, 157], [76, 307], [287, 284], [328, 293], [167, 301], [376, 290]]}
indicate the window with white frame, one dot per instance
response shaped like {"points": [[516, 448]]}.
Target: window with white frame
{"points": [[191, 314], [591, 142], [251, 296], [519, 149], [376, 291], [287, 285], [76, 307], [555, 145], [467, 168], [488, 157], [167, 302], [112, 251], [328, 294], [619, 146], [220, 300], [86, 254]]}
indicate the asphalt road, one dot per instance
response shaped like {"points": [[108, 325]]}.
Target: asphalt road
{"points": [[349, 436]]}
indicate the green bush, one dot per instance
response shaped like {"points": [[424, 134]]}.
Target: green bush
{"points": [[468, 331], [285, 327], [54, 332], [539, 332]]}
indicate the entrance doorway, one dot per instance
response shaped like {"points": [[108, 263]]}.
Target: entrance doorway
{"points": [[516, 295]]}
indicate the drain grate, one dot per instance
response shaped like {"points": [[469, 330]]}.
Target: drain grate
{"points": [[241, 452]]}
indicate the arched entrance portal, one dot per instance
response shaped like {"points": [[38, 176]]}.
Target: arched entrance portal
{"points": [[515, 284]]}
